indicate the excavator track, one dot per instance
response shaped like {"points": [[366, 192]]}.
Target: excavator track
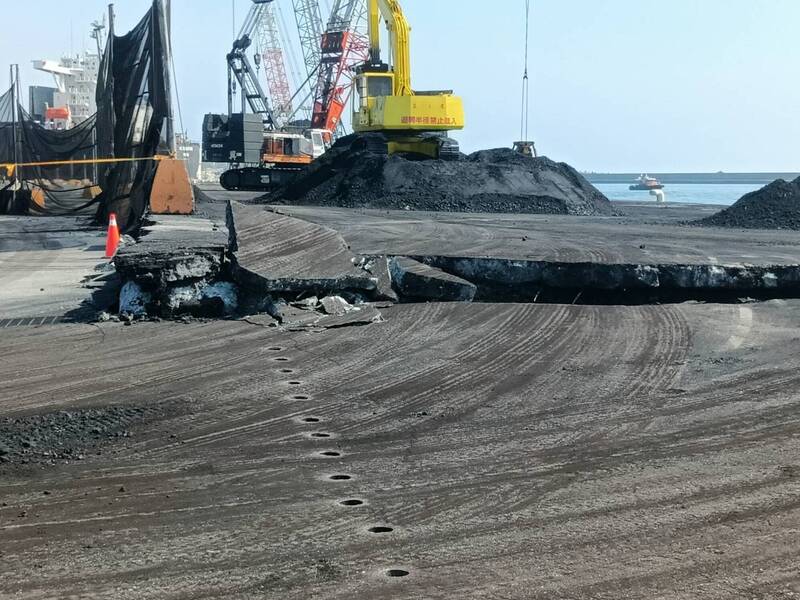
{"points": [[448, 148], [257, 179], [436, 146]]}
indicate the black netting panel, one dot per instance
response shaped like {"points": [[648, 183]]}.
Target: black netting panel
{"points": [[46, 189], [6, 112], [6, 124], [133, 99], [65, 187], [132, 108], [6, 149]]}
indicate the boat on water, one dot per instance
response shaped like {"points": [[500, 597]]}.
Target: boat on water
{"points": [[646, 183]]}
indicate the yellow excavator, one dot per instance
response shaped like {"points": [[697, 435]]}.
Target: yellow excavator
{"points": [[389, 115]]}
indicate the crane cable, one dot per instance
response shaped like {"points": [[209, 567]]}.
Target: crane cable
{"points": [[523, 124]]}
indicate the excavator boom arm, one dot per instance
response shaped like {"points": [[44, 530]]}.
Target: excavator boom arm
{"points": [[399, 38]]}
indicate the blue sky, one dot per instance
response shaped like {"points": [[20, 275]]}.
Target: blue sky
{"points": [[617, 85]]}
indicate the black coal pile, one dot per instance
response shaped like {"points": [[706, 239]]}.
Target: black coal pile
{"points": [[495, 181], [775, 206]]}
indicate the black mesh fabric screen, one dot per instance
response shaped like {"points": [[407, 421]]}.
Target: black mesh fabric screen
{"points": [[6, 148], [6, 123], [133, 104], [6, 114], [132, 108], [64, 187]]}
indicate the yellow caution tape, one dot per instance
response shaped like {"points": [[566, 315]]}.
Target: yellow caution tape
{"points": [[12, 167]]}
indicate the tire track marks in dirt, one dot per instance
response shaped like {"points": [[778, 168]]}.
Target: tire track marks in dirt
{"points": [[579, 342], [467, 371], [570, 448]]}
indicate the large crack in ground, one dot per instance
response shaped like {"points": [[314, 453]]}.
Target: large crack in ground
{"points": [[270, 263], [523, 281]]}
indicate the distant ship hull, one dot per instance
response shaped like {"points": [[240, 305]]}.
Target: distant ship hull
{"points": [[639, 187]]}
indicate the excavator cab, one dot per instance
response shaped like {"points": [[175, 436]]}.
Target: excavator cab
{"points": [[370, 86], [374, 85]]}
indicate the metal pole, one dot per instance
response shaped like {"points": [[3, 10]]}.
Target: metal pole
{"points": [[14, 139], [110, 146], [230, 74], [94, 155], [167, 14], [230, 91], [19, 85]]}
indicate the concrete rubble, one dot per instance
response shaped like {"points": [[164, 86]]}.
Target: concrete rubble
{"points": [[329, 313], [178, 266], [421, 282], [336, 306], [219, 298], [133, 300], [378, 267]]}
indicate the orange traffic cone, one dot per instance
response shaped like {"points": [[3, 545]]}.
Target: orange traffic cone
{"points": [[112, 240]]}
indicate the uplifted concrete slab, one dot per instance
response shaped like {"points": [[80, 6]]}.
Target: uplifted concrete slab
{"points": [[274, 253], [518, 257], [420, 282], [525, 258], [645, 234], [172, 249]]}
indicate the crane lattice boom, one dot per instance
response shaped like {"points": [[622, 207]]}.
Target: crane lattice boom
{"points": [[309, 28], [272, 55], [343, 46]]}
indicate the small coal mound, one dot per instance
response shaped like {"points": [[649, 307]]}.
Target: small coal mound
{"points": [[68, 434], [775, 206], [493, 181]]}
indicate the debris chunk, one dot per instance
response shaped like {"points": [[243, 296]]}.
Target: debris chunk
{"points": [[133, 300], [378, 267], [336, 306], [307, 304], [414, 280]]}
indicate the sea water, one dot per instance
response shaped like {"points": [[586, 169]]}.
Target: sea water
{"points": [[693, 193]]}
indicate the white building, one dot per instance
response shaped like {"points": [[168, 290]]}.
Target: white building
{"points": [[76, 82]]}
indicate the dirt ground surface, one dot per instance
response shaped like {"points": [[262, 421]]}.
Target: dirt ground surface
{"points": [[489, 451], [48, 266]]}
